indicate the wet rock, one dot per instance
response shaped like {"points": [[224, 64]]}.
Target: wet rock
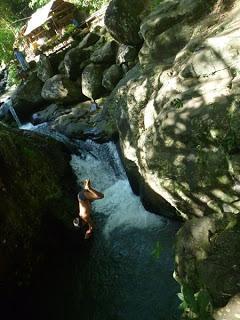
{"points": [[27, 98], [60, 88], [123, 18], [92, 81], [44, 68], [48, 114], [111, 77], [71, 121], [105, 54]]}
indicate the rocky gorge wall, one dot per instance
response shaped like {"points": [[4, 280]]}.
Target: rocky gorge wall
{"points": [[177, 113], [168, 82]]}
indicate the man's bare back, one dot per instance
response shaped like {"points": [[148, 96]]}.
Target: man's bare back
{"points": [[85, 197]]}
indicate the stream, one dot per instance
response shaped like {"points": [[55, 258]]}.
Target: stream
{"points": [[127, 273]]}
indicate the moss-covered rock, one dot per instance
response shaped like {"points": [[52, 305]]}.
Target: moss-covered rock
{"points": [[207, 258], [37, 194], [27, 97]]}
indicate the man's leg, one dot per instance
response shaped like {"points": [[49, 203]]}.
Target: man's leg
{"points": [[88, 221], [91, 193]]}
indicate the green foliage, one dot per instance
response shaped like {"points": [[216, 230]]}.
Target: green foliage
{"points": [[13, 76], [155, 3], [6, 39], [10, 11], [157, 250], [69, 29], [197, 305], [177, 103], [34, 4], [90, 5]]}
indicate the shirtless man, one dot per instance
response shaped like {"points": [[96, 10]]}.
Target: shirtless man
{"points": [[85, 197]]}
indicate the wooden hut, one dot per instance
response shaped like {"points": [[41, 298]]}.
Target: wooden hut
{"points": [[49, 21]]}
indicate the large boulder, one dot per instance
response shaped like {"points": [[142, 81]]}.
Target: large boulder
{"points": [[27, 97], [38, 201], [48, 114], [169, 13], [73, 60], [123, 18], [92, 81], [126, 54], [44, 68], [178, 122], [90, 39], [207, 265], [59, 88], [105, 54], [111, 77], [82, 121]]}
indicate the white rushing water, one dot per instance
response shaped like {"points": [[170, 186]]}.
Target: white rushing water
{"points": [[129, 274]]}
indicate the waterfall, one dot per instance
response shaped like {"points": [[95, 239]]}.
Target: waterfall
{"points": [[15, 117], [7, 107], [129, 273]]}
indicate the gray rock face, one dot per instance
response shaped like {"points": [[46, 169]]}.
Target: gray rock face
{"points": [[44, 68], [59, 88], [61, 67], [73, 60], [167, 15], [171, 127], [27, 98], [126, 54], [178, 119], [90, 39], [111, 77], [207, 262], [73, 121], [123, 19], [92, 81], [105, 54]]}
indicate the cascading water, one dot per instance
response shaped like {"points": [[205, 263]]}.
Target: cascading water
{"points": [[15, 117], [128, 272]]}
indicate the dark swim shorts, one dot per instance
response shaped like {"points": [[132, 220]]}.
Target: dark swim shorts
{"points": [[81, 196]]}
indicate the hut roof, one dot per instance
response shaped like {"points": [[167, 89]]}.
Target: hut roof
{"points": [[39, 17]]}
